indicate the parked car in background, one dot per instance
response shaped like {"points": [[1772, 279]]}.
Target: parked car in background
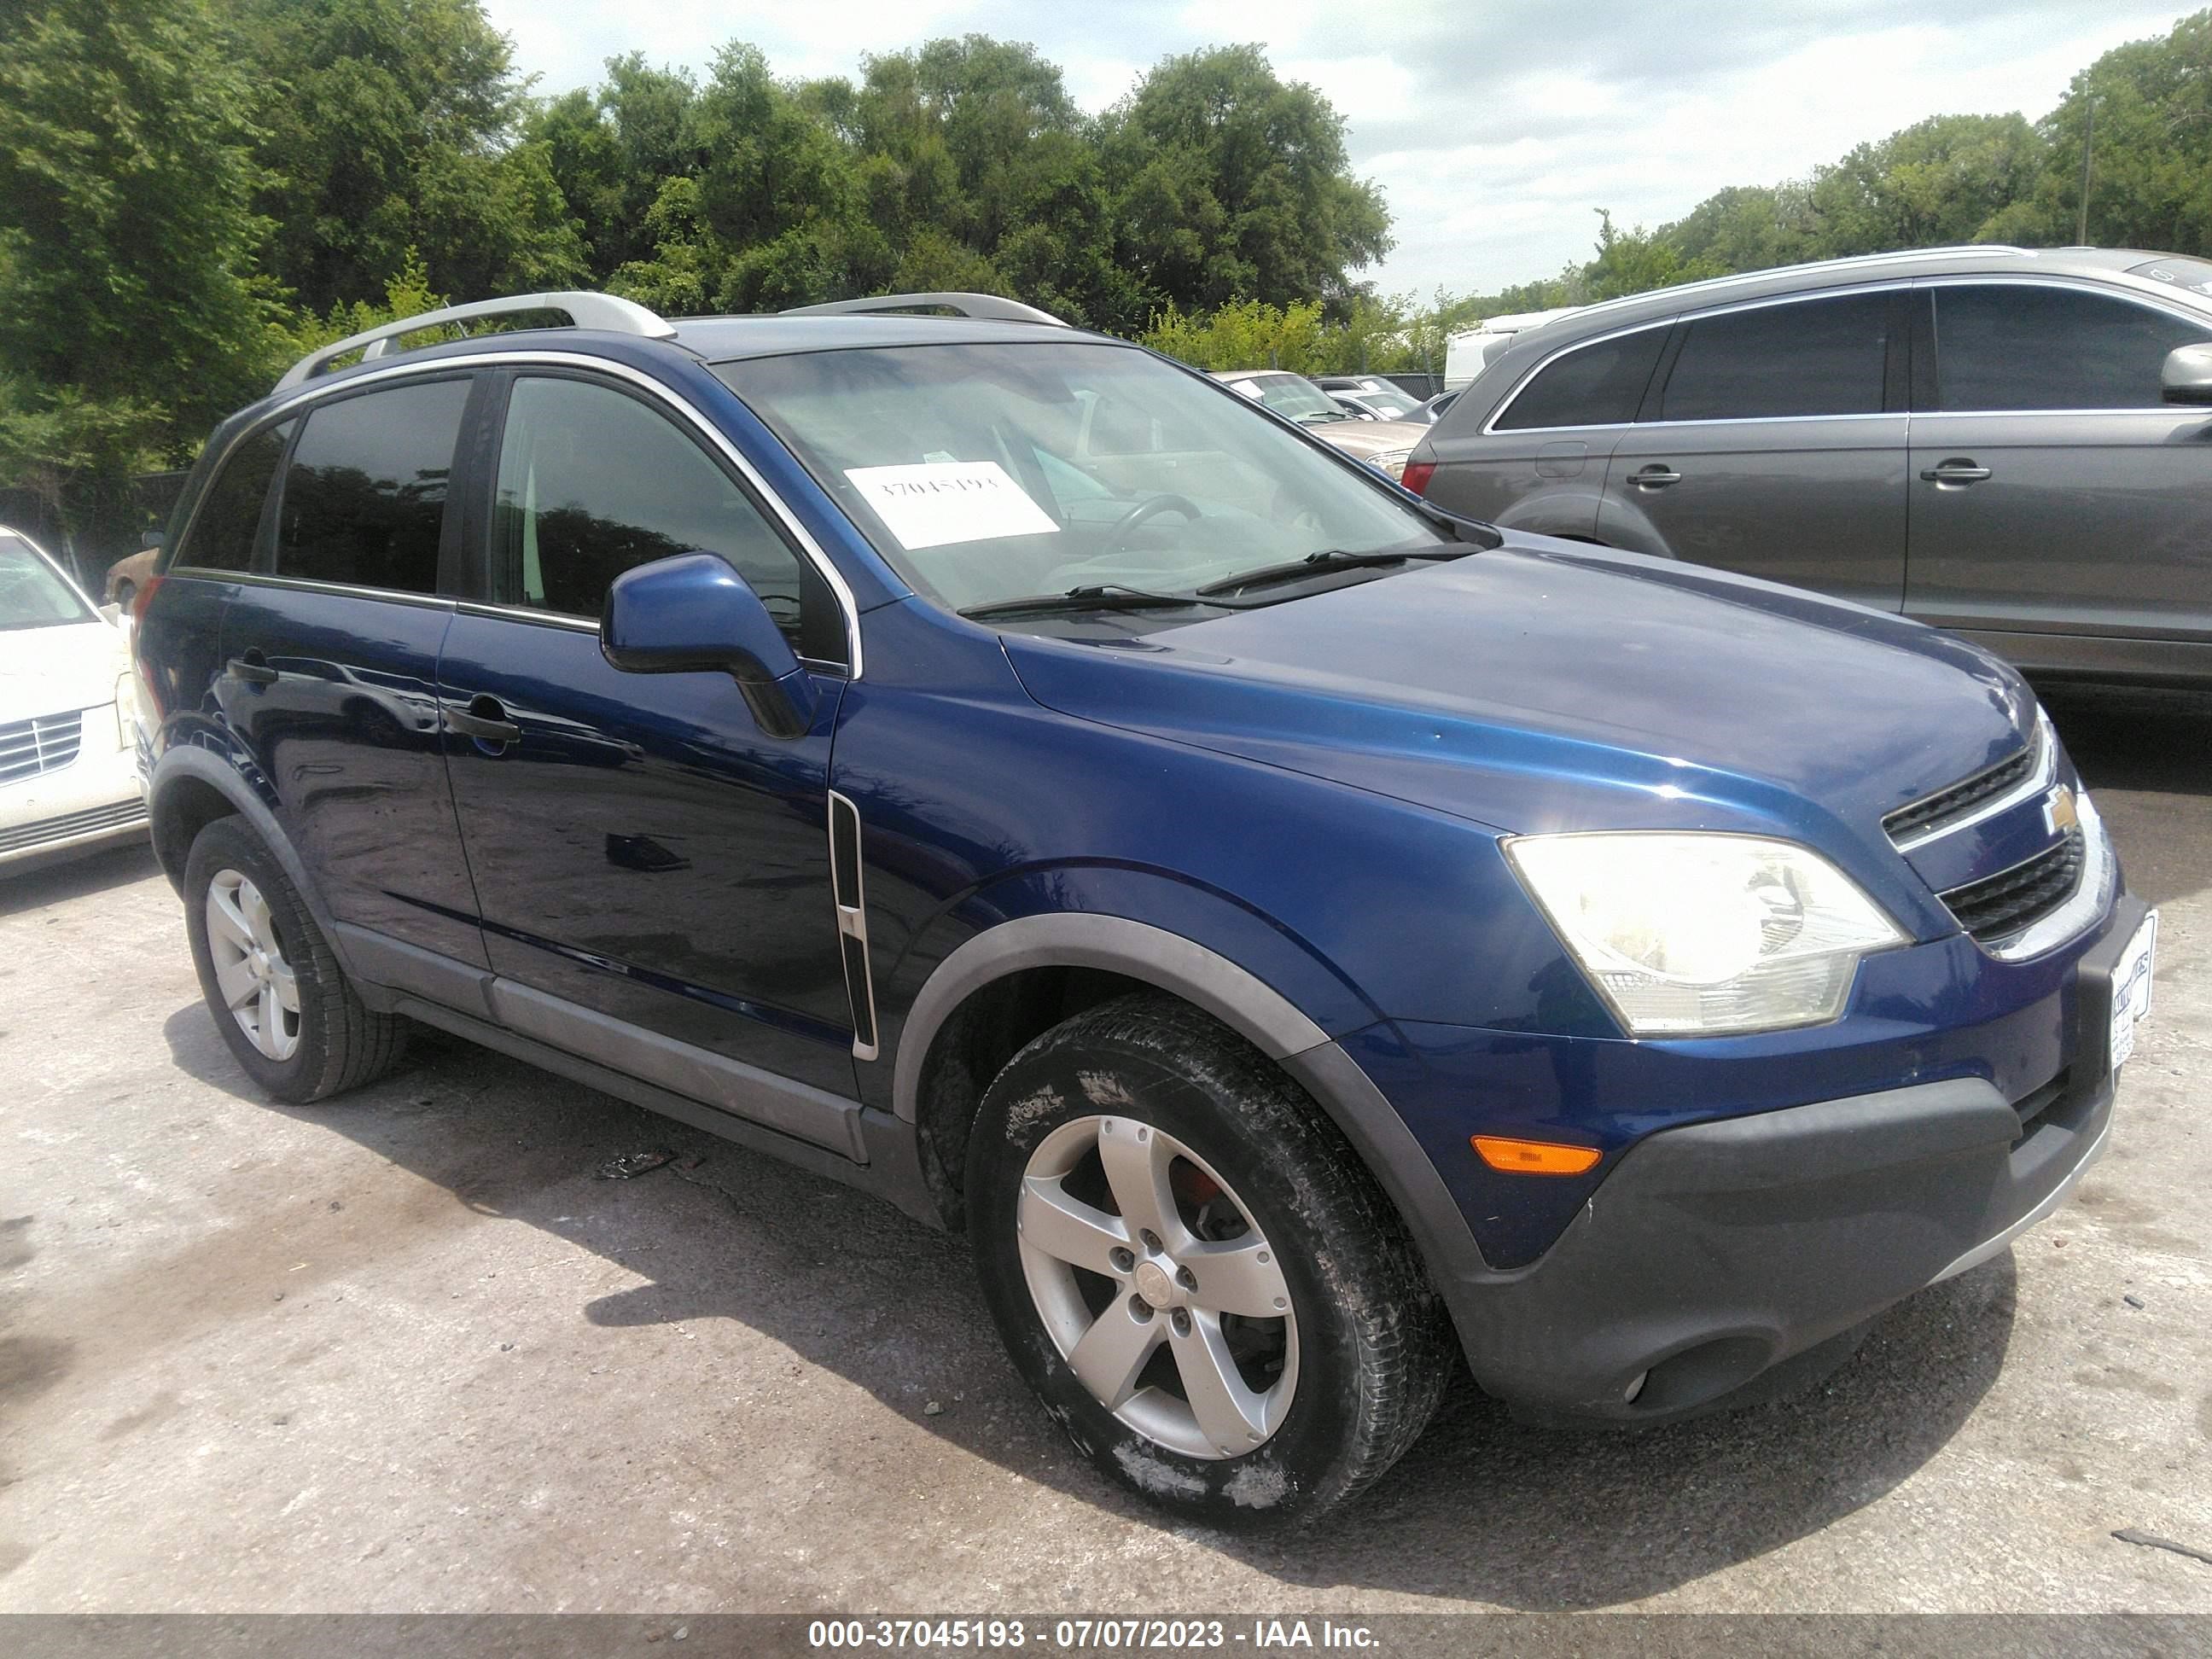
{"points": [[1370, 397], [2012, 444], [1428, 413], [1383, 445], [69, 747], [1469, 352], [127, 576]]}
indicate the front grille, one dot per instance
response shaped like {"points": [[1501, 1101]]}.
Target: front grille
{"points": [[121, 816], [1997, 907], [44, 744], [1949, 805]]}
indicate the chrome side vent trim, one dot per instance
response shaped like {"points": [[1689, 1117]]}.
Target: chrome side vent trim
{"points": [[852, 920]]}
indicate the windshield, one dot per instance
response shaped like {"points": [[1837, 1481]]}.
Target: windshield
{"points": [[987, 472], [31, 593]]}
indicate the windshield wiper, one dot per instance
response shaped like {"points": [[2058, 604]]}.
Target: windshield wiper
{"points": [[1101, 597], [1322, 564]]}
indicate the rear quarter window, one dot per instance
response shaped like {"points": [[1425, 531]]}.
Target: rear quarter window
{"points": [[1597, 385], [226, 526]]}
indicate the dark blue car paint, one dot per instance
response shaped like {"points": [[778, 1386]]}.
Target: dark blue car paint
{"points": [[1314, 792]]}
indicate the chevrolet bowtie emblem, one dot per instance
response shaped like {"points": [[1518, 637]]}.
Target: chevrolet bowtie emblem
{"points": [[2058, 810]]}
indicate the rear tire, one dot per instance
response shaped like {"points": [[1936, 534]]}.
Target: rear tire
{"points": [[1262, 1343], [280, 1000]]}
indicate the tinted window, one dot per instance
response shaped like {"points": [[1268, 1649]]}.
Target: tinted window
{"points": [[229, 522], [1598, 385], [1819, 357], [364, 498], [592, 482], [2016, 346]]}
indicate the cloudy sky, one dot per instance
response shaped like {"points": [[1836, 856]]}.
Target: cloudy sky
{"points": [[1495, 126]]}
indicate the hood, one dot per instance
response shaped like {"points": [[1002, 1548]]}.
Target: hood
{"points": [[1366, 438], [47, 671], [1549, 685]]}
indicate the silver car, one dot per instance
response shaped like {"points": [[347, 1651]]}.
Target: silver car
{"points": [[2012, 444]]}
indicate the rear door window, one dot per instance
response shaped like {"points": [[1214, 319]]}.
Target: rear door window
{"points": [[1810, 357], [2018, 346], [364, 498], [1597, 385], [227, 525]]}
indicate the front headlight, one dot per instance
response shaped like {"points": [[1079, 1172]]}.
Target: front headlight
{"points": [[1695, 934], [1390, 463]]}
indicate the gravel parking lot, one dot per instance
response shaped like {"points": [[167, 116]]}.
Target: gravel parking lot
{"points": [[405, 1352]]}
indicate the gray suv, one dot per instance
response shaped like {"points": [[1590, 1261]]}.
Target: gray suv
{"points": [[2016, 444]]}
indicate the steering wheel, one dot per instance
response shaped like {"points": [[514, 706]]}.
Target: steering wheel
{"points": [[1142, 513]]}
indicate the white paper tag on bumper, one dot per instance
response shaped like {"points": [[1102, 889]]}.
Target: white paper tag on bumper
{"points": [[939, 501]]}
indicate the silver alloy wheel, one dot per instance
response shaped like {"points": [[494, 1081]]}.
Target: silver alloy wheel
{"points": [[1169, 1284], [258, 985]]}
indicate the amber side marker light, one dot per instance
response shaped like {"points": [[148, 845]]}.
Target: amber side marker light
{"points": [[1533, 1157]]}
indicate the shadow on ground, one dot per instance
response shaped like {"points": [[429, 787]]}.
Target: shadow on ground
{"points": [[1482, 1508], [64, 878]]}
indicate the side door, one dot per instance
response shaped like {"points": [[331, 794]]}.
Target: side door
{"points": [[329, 660], [1772, 443], [2060, 509], [654, 871], [1538, 463]]}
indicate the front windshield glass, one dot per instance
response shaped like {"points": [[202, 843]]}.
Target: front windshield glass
{"points": [[31, 594], [987, 472], [1390, 405]]}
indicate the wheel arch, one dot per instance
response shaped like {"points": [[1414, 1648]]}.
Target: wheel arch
{"points": [[937, 1086], [191, 788]]}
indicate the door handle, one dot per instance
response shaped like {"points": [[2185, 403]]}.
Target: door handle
{"points": [[1658, 475], [1958, 472], [484, 719], [253, 669]]}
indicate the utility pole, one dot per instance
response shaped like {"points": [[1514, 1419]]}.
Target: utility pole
{"points": [[2088, 147]]}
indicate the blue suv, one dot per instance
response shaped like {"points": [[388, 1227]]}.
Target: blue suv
{"points": [[1298, 933]]}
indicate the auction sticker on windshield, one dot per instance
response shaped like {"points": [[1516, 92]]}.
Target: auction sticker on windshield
{"points": [[934, 502], [2131, 982]]}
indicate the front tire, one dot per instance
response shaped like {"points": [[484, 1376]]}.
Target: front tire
{"points": [[1191, 1268], [279, 998]]}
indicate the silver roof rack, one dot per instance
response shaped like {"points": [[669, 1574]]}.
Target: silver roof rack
{"points": [[1847, 262], [606, 311], [983, 308]]}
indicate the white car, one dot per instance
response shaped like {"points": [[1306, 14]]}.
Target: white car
{"points": [[69, 746]]}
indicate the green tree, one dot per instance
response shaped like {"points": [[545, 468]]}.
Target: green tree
{"points": [[2151, 173], [610, 153], [387, 124], [1234, 183], [1941, 180], [131, 314]]}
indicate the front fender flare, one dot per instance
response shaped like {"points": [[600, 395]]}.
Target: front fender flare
{"points": [[1247, 1006]]}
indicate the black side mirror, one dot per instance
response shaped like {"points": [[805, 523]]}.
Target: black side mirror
{"points": [[150, 540], [2187, 377], [693, 614]]}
